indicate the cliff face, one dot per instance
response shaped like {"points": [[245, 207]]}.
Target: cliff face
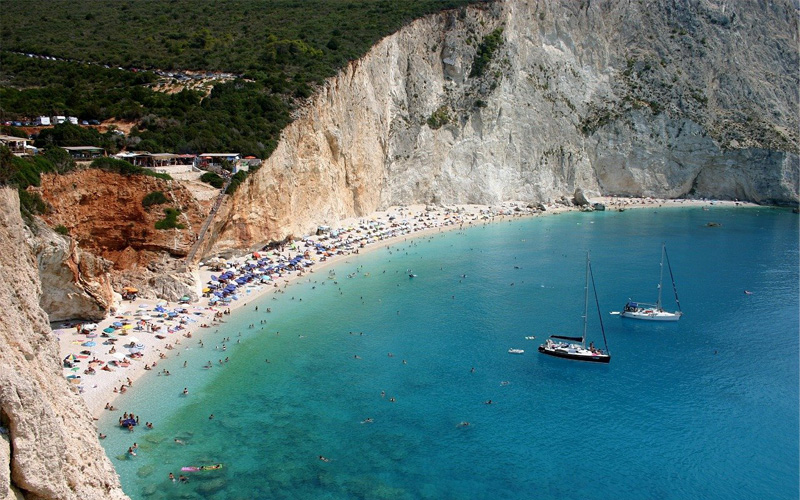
{"points": [[75, 283], [696, 98], [103, 211], [50, 449], [113, 241]]}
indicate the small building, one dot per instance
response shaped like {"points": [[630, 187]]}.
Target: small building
{"points": [[17, 145], [206, 160], [59, 119], [42, 121], [73, 120], [85, 153], [157, 160]]}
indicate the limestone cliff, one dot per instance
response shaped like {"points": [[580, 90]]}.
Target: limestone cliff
{"points": [[48, 443], [75, 283], [529, 100]]}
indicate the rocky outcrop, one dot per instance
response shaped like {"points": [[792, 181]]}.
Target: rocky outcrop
{"points": [[162, 278], [75, 283], [529, 100], [49, 448], [103, 212], [112, 241]]}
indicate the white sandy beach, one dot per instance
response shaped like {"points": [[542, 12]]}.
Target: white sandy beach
{"points": [[98, 389]]}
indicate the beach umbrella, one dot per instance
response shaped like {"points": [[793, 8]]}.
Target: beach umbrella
{"points": [[109, 329], [118, 355], [143, 306], [127, 327], [91, 335], [89, 326], [89, 344], [117, 324], [145, 317]]}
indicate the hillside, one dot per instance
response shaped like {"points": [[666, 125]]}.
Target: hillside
{"points": [[279, 51], [532, 100]]}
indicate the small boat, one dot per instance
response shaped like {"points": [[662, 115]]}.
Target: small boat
{"points": [[575, 347], [530, 338], [410, 275], [654, 312], [516, 351]]}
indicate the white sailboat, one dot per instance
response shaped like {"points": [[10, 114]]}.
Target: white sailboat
{"points": [[575, 348], [655, 312]]}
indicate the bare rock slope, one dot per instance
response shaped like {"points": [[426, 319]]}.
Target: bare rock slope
{"points": [[48, 447], [529, 100]]}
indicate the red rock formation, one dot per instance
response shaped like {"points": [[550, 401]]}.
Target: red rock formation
{"points": [[103, 211]]}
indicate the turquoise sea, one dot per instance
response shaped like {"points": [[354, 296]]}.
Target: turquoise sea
{"points": [[703, 408]]}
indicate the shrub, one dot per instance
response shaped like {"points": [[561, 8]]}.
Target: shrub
{"points": [[485, 52], [122, 167], [154, 198], [439, 118], [62, 230], [170, 221], [213, 179], [237, 179], [31, 203]]}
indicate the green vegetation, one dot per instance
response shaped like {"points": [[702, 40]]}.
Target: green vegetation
{"points": [[236, 180], [21, 173], [281, 49], [13, 131], [483, 57], [62, 230], [170, 221], [213, 179], [439, 118], [122, 167], [154, 198], [66, 134]]}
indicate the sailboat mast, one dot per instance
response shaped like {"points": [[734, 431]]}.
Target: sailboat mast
{"points": [[672, 277], [661, 278], [585, 302]]}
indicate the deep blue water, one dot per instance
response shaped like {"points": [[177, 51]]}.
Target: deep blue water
{"points": [[703, 408]]}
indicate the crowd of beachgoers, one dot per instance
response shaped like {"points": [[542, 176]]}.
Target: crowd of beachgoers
{"points": [[103, 360]]}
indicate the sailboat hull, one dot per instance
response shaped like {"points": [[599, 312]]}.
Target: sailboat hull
{"points": [[651, 315], [575, 354]]}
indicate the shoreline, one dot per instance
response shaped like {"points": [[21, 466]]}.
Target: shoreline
{"points": [[101, 388]]}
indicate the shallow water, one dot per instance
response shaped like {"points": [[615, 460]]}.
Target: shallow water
{"points": [[703, 408]]}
